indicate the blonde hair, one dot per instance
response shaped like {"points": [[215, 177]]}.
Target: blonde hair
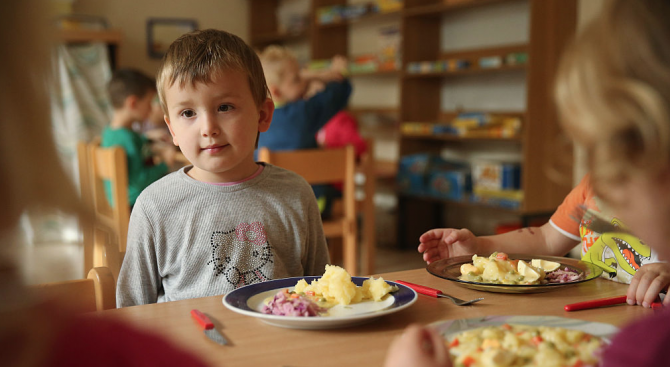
{"points": [[32, 175], [275, 60], [613, 90], [198, 57]]}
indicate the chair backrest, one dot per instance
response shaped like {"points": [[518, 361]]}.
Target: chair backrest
{"points": [[95, 293], [327, 166], [97, 165], [368, 209]]}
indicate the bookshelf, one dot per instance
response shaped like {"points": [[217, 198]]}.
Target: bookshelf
{"points": [[550, 25]]}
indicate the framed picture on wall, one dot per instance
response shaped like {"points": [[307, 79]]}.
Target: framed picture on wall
{"points": [[162, 31]]}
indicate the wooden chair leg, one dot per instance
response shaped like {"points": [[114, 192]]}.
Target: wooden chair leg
{"points": [[350, 249], [335, 250]]}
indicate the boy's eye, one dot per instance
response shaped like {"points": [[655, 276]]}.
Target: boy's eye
{"points": [[225, 108], [188, 113]]}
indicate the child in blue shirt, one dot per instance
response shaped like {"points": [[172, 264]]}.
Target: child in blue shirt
{"points": [[296, 120]]}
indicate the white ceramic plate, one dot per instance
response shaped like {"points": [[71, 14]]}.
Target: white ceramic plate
{"points": [[249, 300]]}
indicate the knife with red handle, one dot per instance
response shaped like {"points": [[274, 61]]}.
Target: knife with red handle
{"points": [[208, 326], [603, 302]]}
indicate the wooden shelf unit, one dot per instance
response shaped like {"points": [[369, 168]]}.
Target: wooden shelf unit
{"points": [[551, 24], [112, 37]]}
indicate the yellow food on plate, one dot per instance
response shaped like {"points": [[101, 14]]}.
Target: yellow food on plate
{"points": [[337, 288], [499, 269], [513, 345]]}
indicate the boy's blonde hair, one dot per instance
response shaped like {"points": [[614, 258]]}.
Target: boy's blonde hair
{"points": [[197, 57], [275, 60], [613, 90]]}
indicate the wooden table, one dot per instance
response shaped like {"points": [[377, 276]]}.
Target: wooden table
{"points": [[255, 343]]}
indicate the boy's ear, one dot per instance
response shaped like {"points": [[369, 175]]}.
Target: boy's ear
{"points": [[265, 115], [131, 102], [169, 125]]}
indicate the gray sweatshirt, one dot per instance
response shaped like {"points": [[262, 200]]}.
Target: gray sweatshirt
{"points": [[191, 239]]}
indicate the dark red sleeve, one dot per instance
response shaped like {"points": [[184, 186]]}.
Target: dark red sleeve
{"points": [[94, 341]]}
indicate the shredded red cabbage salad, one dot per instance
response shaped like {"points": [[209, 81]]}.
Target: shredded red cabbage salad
{"points": [[284, 304], [565, 275]]}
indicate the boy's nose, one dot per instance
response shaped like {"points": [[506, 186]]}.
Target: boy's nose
{"points": [[209, 126]]}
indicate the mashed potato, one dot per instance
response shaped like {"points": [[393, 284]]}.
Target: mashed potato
{"points": [[336, 287]]}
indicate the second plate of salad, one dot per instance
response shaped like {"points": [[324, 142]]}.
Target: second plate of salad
{"points": [[569, 272]]}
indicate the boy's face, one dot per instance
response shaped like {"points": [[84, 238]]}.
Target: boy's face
{"points": [[292, 86], [216, 125]]}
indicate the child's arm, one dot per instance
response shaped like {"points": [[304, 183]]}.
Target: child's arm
{"points": [[443, 243], [327, 103], [647, 283], [139, 280]]}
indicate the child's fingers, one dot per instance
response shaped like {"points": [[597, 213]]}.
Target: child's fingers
{"points": [[440, 352], [648, 288], [632, 291]]}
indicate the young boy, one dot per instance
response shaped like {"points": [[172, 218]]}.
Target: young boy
{"points": [[131, 93], [226, 221]]}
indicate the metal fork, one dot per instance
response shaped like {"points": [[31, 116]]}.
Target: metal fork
{"points": [[595, 221], [438, 293]]}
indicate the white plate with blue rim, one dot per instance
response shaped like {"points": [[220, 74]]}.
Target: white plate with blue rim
{"points": [[249, 300]]}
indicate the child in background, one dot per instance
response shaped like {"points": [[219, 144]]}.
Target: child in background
{"points": [[226, 221], [613, 91], [296, 120], [33, 178], [131, 93]]}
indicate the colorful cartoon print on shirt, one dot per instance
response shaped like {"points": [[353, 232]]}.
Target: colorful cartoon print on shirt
{"points": [[619, 254], [243, 255]]}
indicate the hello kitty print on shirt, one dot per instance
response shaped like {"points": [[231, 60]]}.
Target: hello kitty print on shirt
{"points": [[243, 255]]}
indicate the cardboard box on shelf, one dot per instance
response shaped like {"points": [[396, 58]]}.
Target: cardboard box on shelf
{"points": [[492, 175]]}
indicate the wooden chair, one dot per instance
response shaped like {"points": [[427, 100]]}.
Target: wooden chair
{"points": [[367, 209], [95, 293], [327, 166], [110, 223]]}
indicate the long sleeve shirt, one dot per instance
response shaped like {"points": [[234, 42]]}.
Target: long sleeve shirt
{"points": [[191, 239]]}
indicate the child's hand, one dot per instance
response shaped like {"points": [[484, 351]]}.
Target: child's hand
{"points": [[419, 347], [443, 243], [339, 64], [647, 283]]}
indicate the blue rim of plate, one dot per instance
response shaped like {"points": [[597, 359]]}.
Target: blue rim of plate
{"points": [[237, 299]]}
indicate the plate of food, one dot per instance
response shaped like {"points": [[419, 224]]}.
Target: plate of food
{"points": [[525, 340], [514, 273], [333, 300]]}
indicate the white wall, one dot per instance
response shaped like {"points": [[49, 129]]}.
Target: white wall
{"points": [[130, 16]]}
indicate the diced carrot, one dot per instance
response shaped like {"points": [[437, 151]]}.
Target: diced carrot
{"points": [[536, 340], [468, 361], [295, 295], [506, 326], [586, 337], [578, 363], [310, 293], [502, 256], [454, 343]]}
